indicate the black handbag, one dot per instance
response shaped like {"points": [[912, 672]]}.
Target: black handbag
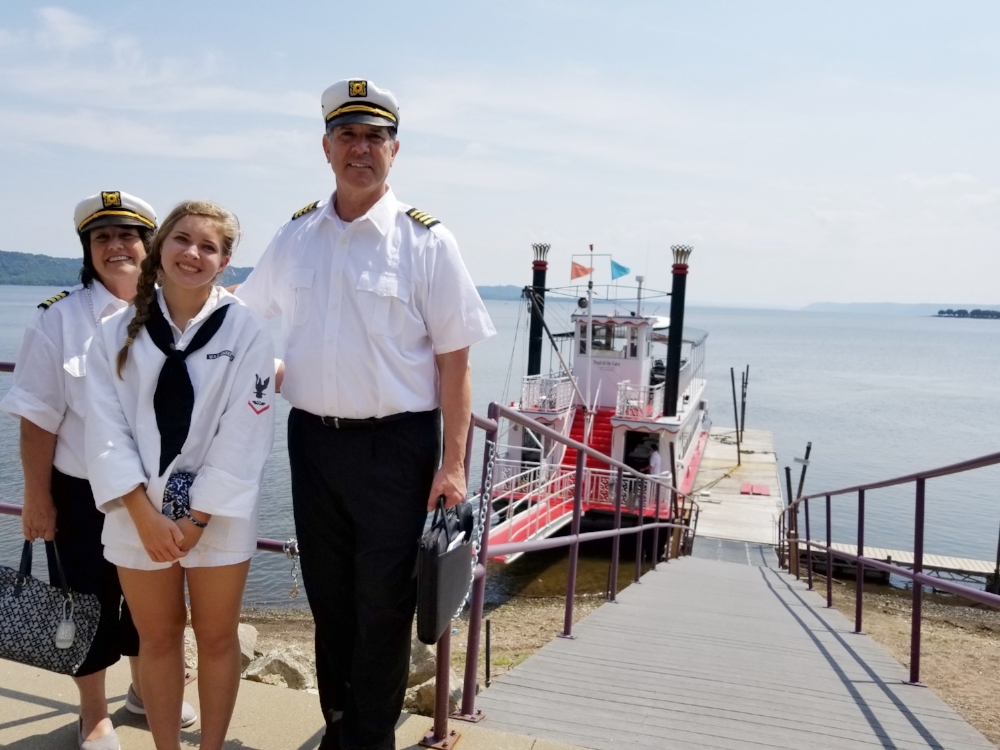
{"points": [[444, 570], [41, 625]]}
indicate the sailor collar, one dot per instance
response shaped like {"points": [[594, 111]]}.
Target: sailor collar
{"points": [[218, 296], [381, 215], [101, 299]]}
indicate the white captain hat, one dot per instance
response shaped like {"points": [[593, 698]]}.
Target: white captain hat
{"points": [[113, 207], [357, 101]]}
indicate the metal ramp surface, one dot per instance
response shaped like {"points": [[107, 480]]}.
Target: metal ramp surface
{"points": [[709, 654]]}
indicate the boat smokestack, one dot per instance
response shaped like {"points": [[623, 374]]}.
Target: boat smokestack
{"points": [[676, 332], [539, 269]]}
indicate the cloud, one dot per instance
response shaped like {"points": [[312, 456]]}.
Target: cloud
{"points": [[938, 182], [63, 30]]}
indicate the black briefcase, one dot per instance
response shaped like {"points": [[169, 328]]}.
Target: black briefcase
{"points": [[444, 569]]}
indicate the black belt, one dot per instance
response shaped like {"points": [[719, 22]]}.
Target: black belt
{"points": [[343, 423]]}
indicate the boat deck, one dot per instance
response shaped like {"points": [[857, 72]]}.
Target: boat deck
{"points": [[709, 653], [725, 512], [959, 566]]}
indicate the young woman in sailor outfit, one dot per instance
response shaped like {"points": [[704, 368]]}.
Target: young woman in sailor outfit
{"points": [[48, 396], [181, 422]]}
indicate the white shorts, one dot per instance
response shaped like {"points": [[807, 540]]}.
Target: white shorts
{"points": [[136, 558]]}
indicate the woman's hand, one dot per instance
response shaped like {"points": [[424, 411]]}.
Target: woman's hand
{"points": [[192, 534], [38, 517]]}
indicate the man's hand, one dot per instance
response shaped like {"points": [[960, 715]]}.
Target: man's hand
{"points": [[38, 517], [450, 482]]}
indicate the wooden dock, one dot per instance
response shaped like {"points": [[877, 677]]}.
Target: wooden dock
{"points": [[958, 566], [706, 653], [726, 513]]}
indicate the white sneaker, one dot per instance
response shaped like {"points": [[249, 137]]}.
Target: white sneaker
{"points": [[136, 706]]}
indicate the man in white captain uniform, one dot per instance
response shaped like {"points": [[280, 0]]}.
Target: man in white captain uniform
{"points": [[378, 313]]}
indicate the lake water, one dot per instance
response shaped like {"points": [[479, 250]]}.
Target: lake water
{"points": [[879, 396]]}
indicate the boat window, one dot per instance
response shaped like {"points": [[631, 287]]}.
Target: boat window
{"points": [[633, 346]]}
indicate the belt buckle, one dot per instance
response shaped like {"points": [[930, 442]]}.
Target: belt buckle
{"points": [[333, 422]]}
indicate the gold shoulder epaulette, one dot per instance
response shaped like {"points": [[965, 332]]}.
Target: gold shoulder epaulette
{"points": [[52, 300], [304, 210], [422, 217]]}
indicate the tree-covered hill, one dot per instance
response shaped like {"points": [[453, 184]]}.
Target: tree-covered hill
{"points": [[26, 269]]}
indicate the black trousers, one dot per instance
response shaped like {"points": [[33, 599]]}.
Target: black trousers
{"points": [[78, 536], [359, 495]]}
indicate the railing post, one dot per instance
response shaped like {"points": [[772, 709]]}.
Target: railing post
{"points": [[859, 583], [793, 527], [638, 537], [616, 541], [781, 540], [656, 529], [829, 556], [574, 548], [809, 549], [918, 587], [468, 710]]}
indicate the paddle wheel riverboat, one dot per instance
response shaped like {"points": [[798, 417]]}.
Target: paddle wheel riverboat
{"points": [[631, 387]]}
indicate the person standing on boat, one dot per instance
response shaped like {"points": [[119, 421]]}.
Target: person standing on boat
{"points": [[378, 313], [49, 397]]}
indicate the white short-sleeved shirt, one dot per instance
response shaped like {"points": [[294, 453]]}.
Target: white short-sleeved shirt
{"points": [[232, 429], [365, 306], [49, 377], [655, 462]]}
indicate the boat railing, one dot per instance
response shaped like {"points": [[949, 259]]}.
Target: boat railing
{"points": [[639, 402], [790, 541], [546, 393]]}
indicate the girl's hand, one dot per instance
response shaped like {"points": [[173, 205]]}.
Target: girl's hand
{"points": [[192, 534], [161, 537]]}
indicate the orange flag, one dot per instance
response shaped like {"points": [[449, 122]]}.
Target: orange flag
{"points": [[579, 270]]}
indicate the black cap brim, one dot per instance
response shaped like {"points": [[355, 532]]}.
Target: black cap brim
{"points": [[360, 118], [114, 221]]}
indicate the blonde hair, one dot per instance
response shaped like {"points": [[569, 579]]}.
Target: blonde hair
{"points": [[145, 294]]}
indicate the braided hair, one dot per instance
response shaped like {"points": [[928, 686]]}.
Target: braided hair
{"points": [[87, 271], [145, 294]]}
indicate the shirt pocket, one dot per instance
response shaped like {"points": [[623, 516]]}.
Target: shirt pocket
{"points": [[391, 298], [76, 383], [301, 281]]}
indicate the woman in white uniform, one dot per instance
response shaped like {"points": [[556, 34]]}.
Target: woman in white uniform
{"points": [[48, 396], [180, 426]]}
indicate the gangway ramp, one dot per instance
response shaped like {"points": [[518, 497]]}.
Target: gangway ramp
{"points": [[705, 653]]}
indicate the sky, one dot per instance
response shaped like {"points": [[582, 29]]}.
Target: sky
{"points": [[821, 151]]}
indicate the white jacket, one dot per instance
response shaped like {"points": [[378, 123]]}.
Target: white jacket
{"points": [[232, 429]]}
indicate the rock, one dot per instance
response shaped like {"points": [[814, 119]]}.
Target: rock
{"points": [[288, 666], [420, 699], [423, 663], [190, 649], [248, 643]]}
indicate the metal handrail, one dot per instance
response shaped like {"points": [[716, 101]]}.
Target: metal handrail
{"points": [[790, 540]]}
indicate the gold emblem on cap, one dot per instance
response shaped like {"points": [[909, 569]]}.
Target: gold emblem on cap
{"points": [[111, 199], [358, 88]]}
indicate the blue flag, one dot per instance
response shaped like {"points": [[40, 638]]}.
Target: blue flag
{"points": [[618, 270]]}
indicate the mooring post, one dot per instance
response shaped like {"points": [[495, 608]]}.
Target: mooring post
{"points": [[918, 587], [574, 548], [736, 417], [829, 557], [859, 569], [616, 541]]}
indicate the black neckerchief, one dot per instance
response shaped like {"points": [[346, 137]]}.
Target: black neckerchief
{"points": [[173, 400]]}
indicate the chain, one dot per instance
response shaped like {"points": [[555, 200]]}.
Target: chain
{"points": [[485, 506], [291, 550]]}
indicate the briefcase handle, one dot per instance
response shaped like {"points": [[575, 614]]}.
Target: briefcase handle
{"points": [[439, 508], [24, 572]]}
